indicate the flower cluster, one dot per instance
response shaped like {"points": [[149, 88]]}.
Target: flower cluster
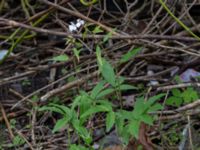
{"points": [[75, 26]]}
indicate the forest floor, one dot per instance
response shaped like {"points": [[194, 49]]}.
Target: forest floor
{"points": [[99, 75]]}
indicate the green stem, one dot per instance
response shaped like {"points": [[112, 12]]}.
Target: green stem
{"points": [[178, 20], [88, 3], [21, 37]]}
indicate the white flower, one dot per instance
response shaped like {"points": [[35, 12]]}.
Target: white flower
{"points": [[72, 27], [82, 22], [78, 25]]}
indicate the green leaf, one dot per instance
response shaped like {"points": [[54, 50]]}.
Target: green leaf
{"points": [[177, 101], [76, 102], [176, 92], [189, 95], [130, 54], [107, 37], [98, 55], [153, 99], [194, 95], [105, 92], [77, 147], [60, 124], [127, 115], [110, 120], [97, 29], [106, 104], [97, 89], [93, 110], [83, 132], [155, 107], [133, 128], [108, 73], [147, 119], [66, 110], [120, 80], [119, 123], [85, 104], [53, 109], [18, 140], [139, 107], [76, 53], [127, 87], [125, 135], [61, 58]]}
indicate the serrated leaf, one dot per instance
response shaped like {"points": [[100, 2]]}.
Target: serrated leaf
{"points": [[97, 29], [176, 92], [17, 140], [189, 95], [52, 109], [155, 107], [127, 115], [125, 135], [133, 128], [105, 93], [177, 101], [98, 55], [110, 120], [61, 58], [77, 147], [97, 89], [108, 73], [85, 104], [147, 119], [60, 124], [127, 87], [105, 103], [139, 107], [119, 124], [130, 54], [153, 99], [83, 132], [66, 110], [93, 110], [83, 93], [76, 102]]}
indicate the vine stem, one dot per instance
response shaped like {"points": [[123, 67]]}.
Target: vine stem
{"points": [[178, 20]]}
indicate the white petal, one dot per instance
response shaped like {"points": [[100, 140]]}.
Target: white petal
{"points": [[72, 28], [82, 22], [78, 25]]}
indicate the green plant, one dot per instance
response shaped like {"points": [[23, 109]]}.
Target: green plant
{"points": [[77, 147], [180, 97], [70, 118], [61, 58], [26, 82], [128, 122], [83, 102], [126, 57], [13, 123], [80, 110], [18, 140]]}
